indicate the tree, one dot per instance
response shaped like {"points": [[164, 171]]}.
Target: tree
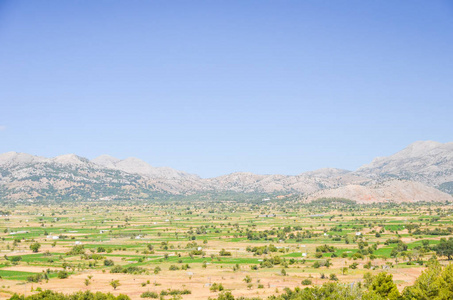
{"points": [[115, 283], [35, 247], [247, 279], [445, 248], [384, 286], [431, 284], [225, 296], [368, 278]]}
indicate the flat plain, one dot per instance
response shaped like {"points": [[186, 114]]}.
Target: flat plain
{"points": [[195, 248]]}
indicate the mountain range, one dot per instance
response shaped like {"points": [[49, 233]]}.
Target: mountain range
{"points": [[421, 172]]}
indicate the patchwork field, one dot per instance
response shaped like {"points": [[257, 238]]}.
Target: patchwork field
{"points": [[192, 249]]}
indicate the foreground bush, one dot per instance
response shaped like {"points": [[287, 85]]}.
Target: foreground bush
{"points": [[435, 283], [149, 294], [175, 292], [51, 295]]}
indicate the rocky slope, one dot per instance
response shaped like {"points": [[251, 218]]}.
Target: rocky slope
{"points": [[420, 169], [23, 176], [134, 165], [392, 190], [425, 161]]}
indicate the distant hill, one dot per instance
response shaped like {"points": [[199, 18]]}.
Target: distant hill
{"points": [[426, 162], [392, 190], [134, 165], [416, 173], [23, 176]]}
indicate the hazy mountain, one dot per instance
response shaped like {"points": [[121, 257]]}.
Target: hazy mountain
{"points": [[134, 165], [418, 169], [305, 183], [106, 161], [425, 161], [24, 176], [327, 172], [392, 190], [11, 159]]}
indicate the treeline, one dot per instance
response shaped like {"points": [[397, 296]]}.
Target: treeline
{"points": [[332, 202], [435, 283]]}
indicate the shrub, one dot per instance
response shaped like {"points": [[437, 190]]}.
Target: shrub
{"points": [[216, 287], [63, 274], [149, 294], [108, 262], [79, 295], [175, 292], [127, 270], [76, 250], [35, 278], [333, 277], [223, 252]]}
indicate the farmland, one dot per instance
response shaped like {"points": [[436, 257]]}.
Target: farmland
{"points": [[194, 249]]}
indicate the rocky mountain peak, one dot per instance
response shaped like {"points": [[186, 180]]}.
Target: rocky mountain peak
{"points": [[424, 161], [16, 158], [106, 160], [70, 159], [427, 163]]}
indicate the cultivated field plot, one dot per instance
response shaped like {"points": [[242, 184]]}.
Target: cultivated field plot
{"points": [[194, 249]]}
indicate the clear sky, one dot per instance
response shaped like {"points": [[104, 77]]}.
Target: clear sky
{"points": [[214, 87]]}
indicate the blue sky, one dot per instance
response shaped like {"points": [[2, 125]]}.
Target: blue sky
{"points": [[214, 87]]}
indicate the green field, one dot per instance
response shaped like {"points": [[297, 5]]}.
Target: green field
{"points": [[194, 242]]}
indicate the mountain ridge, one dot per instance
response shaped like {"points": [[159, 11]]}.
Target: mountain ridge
{"points": [[427, 163]]}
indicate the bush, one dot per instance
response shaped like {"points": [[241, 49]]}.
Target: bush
{"points": [[76, 250], [306, 282], [79, 295], [223, 252], [216, 287], [149, 294], [108, 262], [15, 258], [63, 274], [325, 249], [127, 270], [35, 278], [175, 292]]}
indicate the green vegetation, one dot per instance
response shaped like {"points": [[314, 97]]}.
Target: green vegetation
{"points": [[435, 284], [225, 247], [50, 295]]}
